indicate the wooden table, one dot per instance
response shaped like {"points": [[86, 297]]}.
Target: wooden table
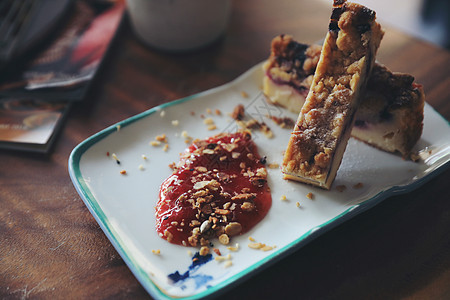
{"points": [[51, 247]]}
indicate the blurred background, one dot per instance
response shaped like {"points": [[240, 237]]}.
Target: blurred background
{"points": [[425, 19]]}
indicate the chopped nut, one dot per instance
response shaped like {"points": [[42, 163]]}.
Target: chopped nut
{"points": [[256, 245], [196, 231], [297, 204], [221, 258], [229, 147], [161, 138], [175, 123], [310, 195], [156, 252], [201, 184], [206, 225], [194, 223], [212, 127], [204, 242], [251, 239], [201, 169], [206, 209], [244, 94], [204, 251], [123, 172], [235, 154], [233, 228], [233, 249], [261, 172], [267, 248], [155, 143], [162, 113], [220, 211], [273, 166], [228, 264], [168, 235], [208, 151], [208, 121], [246, 196], [217, 251], [283, 198], [184, 134], [193, 240], [247, 206], [217, 112], [166, 147], [238, 112], [224, 239]]}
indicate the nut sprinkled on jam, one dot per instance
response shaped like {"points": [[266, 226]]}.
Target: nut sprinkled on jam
{"points": [[213, 192]]}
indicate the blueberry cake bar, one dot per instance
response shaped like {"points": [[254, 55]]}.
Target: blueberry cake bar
{"points": [[320, 136], [390, 114]]}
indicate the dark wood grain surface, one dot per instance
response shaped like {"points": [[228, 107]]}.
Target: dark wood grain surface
{"points": [[52, 248]]}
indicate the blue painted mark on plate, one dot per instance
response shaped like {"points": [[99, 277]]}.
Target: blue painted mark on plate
{"points": [[199, 279]]}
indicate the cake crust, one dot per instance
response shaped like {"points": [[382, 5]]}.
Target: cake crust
{"points": [[320, 136]]}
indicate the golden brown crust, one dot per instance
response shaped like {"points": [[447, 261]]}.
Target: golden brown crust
{"points": [[320, 136]]}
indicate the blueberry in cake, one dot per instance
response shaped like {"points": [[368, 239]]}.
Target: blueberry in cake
{"points": [[390, 115], [320, 136]]}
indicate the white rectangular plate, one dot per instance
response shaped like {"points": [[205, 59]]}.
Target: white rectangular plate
{"points": [[123, 205]]}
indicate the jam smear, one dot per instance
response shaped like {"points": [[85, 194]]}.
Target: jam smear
{"points": [[218, 189]]}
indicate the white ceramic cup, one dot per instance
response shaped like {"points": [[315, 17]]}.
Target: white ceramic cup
{"points": [[179, 25]]}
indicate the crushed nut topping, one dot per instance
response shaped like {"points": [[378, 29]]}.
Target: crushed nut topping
{"points": [[233, 228], [238, 112], [204, 185], [204, 251], [224, 239]]}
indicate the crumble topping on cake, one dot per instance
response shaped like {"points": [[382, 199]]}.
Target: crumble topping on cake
{"points": [[293, 64], [391, 114], [320, 136], [391, 111]]}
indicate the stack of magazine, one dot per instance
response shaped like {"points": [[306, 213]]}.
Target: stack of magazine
{"points": [[36, 97]]}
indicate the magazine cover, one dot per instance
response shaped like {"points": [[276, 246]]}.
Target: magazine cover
{"points": [[34, 99]]}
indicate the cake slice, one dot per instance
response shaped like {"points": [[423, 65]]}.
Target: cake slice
{"points": [[390, 115], [320, 136]]}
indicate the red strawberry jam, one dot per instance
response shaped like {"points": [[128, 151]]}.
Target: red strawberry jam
{"points": [[219, 189]]}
